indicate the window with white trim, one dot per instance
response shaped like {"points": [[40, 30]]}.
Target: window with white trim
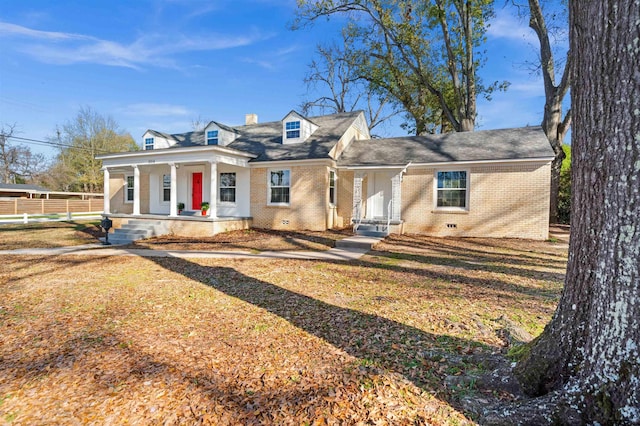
{"points": [[279, 186], [227, 187], [293, 129], [333, 199], [212, 137], [128, 188], [452, 188], [148, 144], [166, 188]]}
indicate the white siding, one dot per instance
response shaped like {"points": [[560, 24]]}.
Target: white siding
{"points": [[306, 129], [224, 136], [158, 142]]}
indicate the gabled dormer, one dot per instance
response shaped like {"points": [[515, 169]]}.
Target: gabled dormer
{"points": [[296, 128], [153, 139], [219, 134]]}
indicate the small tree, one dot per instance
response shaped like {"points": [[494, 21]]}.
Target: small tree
{"points": [[88, 135], [564, 189], [17, 163]]}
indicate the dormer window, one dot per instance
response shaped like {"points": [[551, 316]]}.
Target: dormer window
{"points": [[296, 128], [212, 137], [293, 129], [148, 144]]}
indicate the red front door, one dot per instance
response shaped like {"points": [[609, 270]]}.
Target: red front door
{"points": [[196, 191]]}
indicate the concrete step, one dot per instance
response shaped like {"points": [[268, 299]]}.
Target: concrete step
{"points": [[372, 230], [365, 233], [136, 225], [116, 240], [358, 242], [137, 229]]}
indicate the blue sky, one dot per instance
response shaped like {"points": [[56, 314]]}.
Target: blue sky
{"points": [[161, 64]]}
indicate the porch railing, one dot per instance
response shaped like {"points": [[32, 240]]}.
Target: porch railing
{"points": [[358, 216]]}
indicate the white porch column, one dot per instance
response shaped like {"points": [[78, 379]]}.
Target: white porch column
{"points": [[173, 198], [357, 196], [396, 196], [106, 191], [136, 190], [213, 190]]}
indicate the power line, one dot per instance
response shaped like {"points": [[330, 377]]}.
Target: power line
{"points": [[51, 143]]}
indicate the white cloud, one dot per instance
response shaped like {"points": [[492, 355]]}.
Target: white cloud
{"points": [[17, 30], [158, 49], [155, 110], [276, 59], [507, 26]]}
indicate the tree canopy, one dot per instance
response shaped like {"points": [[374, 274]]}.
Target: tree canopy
{"points": [[87, 135], [425, 55]]}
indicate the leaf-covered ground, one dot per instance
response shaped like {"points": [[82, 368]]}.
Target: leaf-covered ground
{"points": [[48, 234], [249, 239], [117, 340]]}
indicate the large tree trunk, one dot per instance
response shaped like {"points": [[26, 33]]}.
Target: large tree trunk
{"points": [[589, 354]]}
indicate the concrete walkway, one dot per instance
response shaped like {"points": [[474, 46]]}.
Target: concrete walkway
{"points": [[351, 248]]}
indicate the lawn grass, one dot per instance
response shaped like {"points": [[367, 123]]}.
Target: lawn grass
{"points": [[49, 234], [112, 340]]}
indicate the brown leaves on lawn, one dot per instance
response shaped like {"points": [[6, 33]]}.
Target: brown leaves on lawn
{"points": [[249, 239], [49, 234], [174, 341]]}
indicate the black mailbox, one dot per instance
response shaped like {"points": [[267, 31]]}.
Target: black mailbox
{"points": [[106, 224]]}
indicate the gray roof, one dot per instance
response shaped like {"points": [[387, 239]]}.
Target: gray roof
{"points": [[22, 187], [485, 145], [265, 139]]}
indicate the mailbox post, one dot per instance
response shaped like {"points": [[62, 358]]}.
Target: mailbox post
{"points": [[106, 224]]}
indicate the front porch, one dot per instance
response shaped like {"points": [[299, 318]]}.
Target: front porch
{"points": [[173, 183], [185, 226], [377, 202]]}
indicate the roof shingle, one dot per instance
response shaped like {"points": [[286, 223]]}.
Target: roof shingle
{"points": [[484, 145]]}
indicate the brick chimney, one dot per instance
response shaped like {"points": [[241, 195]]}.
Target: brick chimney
{"points": [[251, 119]]}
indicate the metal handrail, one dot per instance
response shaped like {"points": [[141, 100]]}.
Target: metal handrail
{"points": [[358, 216], [389, 209]]}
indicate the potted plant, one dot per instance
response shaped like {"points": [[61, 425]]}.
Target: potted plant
{"points": [[204, 207], [180, 207]]}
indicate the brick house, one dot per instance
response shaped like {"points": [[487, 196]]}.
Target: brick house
{"points": [[326, 172]]}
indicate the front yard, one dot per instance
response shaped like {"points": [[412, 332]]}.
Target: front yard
{"points": [[112, 340]]}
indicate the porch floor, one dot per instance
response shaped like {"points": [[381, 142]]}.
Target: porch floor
{"points": [[192, 218]]}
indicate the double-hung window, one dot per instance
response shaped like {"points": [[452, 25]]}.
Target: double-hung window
{"points": [[279, 186], [293, 129], [166, 188], [452, 188], [212, 137], [128, 189], [227, 187], [148, 144], [333, 199]]}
